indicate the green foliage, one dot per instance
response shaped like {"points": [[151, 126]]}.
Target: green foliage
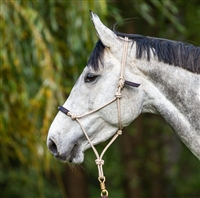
{"points": [[40, 43], [44, 47]]}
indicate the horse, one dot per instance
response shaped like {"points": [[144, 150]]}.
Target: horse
{"points": [[126, 75]]}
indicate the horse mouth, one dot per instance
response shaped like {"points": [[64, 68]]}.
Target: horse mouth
{"points": [[73, 153], [70, 157]]}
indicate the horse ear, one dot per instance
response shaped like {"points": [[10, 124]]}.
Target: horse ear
{"points": [[107, 36]]}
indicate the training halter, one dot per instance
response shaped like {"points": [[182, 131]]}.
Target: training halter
{"points": [[99, 161]]}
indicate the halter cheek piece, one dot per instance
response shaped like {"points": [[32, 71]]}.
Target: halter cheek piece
{"points": [[99, 161]]}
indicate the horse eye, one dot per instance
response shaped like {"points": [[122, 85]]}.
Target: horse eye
{"points": [[90, 77]]}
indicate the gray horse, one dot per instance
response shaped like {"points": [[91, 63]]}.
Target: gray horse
{"points": [[168, 73]]}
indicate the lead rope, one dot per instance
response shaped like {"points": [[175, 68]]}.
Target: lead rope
{"points": [[99, 161]]}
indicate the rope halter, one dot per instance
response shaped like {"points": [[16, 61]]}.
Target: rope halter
{"points": [[99, 161]]}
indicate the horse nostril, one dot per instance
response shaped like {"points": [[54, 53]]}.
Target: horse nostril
{"points": [[52, 147]]}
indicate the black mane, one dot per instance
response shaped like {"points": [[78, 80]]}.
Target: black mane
{"points": [[170, 52]]}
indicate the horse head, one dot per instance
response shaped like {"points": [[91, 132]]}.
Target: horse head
{"points": [[95, 92]]}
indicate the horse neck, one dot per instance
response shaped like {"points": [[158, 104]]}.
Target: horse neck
{"points": [[174, 93]]}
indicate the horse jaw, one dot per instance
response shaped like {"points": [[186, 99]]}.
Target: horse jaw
{"points": [[107, 36]]}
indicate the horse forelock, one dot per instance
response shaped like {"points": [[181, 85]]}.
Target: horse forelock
{"points": [[96, 57], [170, 52]]}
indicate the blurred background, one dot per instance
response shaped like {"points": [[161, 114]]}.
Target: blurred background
{"points": [[45, 44]]}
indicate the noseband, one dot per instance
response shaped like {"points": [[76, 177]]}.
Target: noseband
{"points": [[99, 161]]}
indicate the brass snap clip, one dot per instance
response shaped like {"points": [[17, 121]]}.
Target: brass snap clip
{"points": [[104, 192]]}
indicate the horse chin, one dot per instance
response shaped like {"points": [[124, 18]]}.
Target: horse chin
{"points": [[76, 156], [78, 159]]}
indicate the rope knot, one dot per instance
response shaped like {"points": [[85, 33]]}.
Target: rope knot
{"points": [[118, 95], [99, 162], [73, 116], [121, 82], [119, 132]]}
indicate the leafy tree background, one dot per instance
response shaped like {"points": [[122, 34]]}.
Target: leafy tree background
{"points": [[45, 45]]}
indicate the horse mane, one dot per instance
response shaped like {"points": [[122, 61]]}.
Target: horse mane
{"points": [[170, 52]]}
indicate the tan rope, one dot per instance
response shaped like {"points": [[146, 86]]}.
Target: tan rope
{"points": [[99, 161], [93, 111], [121, 82], [124, 57]]}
